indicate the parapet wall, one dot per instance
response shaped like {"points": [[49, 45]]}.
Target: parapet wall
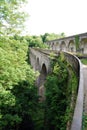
{"points": [[77, 117], [73, 60]]}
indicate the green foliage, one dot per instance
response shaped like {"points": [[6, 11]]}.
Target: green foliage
{"points": [[18, 96], [47, 37], [77, 42], [84, 61], [26, 103], [59, 91], [52, 55], [12, 16], [13, 62], [37, 41], [32, 41], [84, 121], [55, 95]]}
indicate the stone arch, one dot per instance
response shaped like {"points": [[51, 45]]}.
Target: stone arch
{"points": [[71, 46], [83, 45], [63, 46], [42, 79], [44, 71]]}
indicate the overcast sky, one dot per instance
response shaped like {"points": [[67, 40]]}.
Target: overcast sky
{"points": [[57, 16]]}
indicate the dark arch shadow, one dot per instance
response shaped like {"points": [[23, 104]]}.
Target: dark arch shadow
{"points": [[44, 70], [42, 78], [63, 46], [43, 74], [71, 46], [83, 45]]}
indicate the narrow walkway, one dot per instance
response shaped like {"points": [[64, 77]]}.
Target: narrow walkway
{"points": [[85, 88]]}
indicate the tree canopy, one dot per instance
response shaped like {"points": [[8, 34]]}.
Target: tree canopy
{"points": [[12, 16], [18, 94], [15, 75], [51, 36]]}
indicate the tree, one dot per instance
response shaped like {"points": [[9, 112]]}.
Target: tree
{"points": [[51, 36], [18, 94], [35, 41], [12, 16], [77, 42], [14, 73]]}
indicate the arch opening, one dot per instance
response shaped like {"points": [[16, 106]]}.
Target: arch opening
{"points": [[83, 45], [71, 46], [63, 46], [43, 74], [42, 79]]}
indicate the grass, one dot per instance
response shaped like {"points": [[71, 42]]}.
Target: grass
{"points": [[84, 61], [84, 122]]}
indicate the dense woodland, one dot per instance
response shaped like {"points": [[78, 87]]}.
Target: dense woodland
{"points": [[20, 108]]}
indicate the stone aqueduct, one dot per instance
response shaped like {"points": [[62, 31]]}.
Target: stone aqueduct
{"points": [[40, 58], [40, 61], [68, 43]]}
